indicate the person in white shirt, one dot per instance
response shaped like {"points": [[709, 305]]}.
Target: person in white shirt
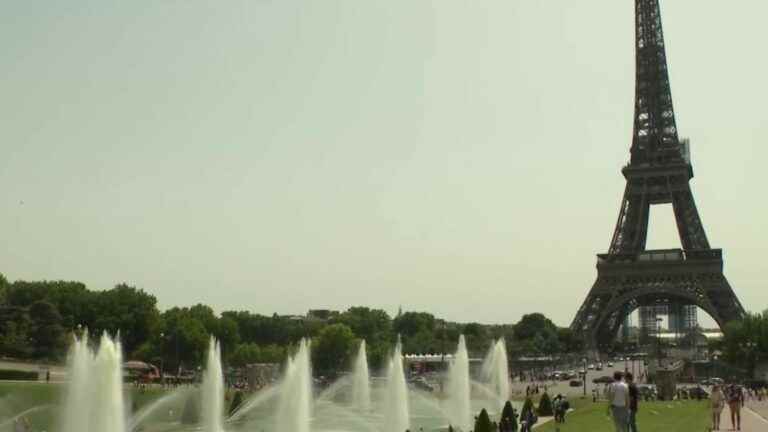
{"points": [[618, 398]]}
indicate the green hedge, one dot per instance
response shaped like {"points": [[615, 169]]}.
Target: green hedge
{"points": [[17, 375]]}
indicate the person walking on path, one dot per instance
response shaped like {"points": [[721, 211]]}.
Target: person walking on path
{"points": [[618, 398], [735, 402], [634, 396], [718, 403]]}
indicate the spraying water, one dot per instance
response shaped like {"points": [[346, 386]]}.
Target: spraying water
{"points": [[361, 381], [495, 371], [294, 409], [94, 401], [396, 417], [458, 402], [213, 390]]}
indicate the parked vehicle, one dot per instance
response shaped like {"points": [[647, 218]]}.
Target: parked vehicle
{"points": [[605, 379], [576, 383]]}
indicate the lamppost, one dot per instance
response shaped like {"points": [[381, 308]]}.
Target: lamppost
{"points": [[162, 358], [584, 375]]}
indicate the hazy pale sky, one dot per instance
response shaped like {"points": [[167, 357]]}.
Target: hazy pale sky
{"points": [[451, 156]]}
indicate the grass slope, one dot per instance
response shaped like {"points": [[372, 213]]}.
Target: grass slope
{"points": [[686, 416]]}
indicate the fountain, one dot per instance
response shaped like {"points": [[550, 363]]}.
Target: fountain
{"points": [[94, 400], [294, 409], [396, 414], [361, 381], [458, 401], [213, 390], [495, 371]]}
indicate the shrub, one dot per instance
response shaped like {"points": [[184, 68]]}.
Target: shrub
{"points": [[545, 406], [483, 422], [527, 407], [17, 375], [508, 422]]}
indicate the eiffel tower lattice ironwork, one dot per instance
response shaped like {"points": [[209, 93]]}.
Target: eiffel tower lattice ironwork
{"points": [[659, 172]]}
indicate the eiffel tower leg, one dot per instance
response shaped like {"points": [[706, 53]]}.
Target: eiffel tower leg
{"points": [[692, 235], [632, 227]]}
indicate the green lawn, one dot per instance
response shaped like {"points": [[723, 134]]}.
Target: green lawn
{"points": [[685, 416]]}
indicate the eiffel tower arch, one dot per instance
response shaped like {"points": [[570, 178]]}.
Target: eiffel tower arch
{"points": [[659, 172]]}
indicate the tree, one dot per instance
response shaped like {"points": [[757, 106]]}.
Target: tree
{"points": [[545, 406], [127, 310], [46, 333], [569, 341], [4, 285], [186, 337], [745, 342], [332, 348], [15, 327], [527, 408], [483, 422], [245, 354], [532, 324], [411, 323], [508, 422], [228, 335]]}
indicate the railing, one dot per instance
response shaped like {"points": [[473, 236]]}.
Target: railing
{"points": [[662, 255]]}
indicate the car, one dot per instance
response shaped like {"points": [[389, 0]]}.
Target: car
{"points": [[605, 379], [576, 383], [599, 367], [610, 364], [591, 367], [697, 393]]}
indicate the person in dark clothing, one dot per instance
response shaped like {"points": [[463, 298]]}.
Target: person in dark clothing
{"points": [[634, 397]]}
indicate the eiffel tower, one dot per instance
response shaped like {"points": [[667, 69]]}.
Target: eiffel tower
{"points": [[659, 172]]}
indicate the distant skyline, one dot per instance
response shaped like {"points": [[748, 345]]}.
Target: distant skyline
{"points": [[445, 156]]}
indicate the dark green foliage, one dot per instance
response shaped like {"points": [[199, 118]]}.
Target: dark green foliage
{"points": [[745, 342], [237, 400], [527, 407], [545, 406], [47, 334], [508, 422], [332, 348], [17, 375], [179, 336], [375, 327], [15, 327], [483, 422]]}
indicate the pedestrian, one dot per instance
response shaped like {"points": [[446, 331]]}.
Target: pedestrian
{"points": [[718, 403], [634, 397], [618, 398], [561, 407], [735, 401]]}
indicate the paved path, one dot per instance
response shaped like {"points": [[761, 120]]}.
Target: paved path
{"points": [[750, 421]]}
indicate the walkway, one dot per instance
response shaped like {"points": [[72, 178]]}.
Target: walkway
{"points": [[750, 421]]}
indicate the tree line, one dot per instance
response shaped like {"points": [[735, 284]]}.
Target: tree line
{"points": [[38, 320]]}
